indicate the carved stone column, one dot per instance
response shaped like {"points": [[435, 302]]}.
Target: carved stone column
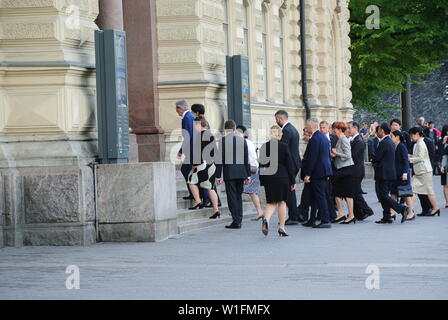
{"points": [[111, 15], [141, 30]]}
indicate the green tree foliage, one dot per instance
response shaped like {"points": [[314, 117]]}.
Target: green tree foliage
{"points": [[412, 40]]}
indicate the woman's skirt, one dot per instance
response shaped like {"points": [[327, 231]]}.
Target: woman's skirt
{"points": [[423, 184], [203, 175], [277, 190], [344, 185], [254, 186]]}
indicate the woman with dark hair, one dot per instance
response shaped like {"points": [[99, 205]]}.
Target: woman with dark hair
{"points": [[403, 172], [442, 153], [343, 181], [203, 172], [422, 183]]}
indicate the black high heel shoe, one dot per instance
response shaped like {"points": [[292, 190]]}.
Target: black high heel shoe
{"points": [[264, 227], [394, 217], [339, 219], [216, 215], [434, 214], [282, 233], [410, 219], [348, 222], [256, 218], [198, 206]]}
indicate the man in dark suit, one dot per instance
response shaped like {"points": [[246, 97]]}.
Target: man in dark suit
{"points": [[373, 144], [233, 164], [361, 208], [187, 143], [291, 137], [317, 169], [385, 174]]}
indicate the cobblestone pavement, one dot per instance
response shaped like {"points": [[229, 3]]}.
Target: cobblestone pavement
{"points": [[403, 261]]}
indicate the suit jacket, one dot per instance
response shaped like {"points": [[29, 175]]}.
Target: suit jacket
{"points": [[233, 158], [334, 140], [188, 135], [358, 149], [344, 150], [373, 146], [283, 165], [420, 158], [317, 155], [384, 160], [291, 137], [401, 160]]}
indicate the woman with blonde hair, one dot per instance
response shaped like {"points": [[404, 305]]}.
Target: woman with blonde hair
{"points": [[277, 177]]}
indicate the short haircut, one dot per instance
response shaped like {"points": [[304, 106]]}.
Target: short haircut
{"points": [[416, 130], [314, 122], [230, 125], [282, 113], [182, 104], [386, 128], [399, 134], [324, 122], [377, 128], [243, 130], [430, 122], [397, 121], [354, 124], [198, 108], [339, 125]]}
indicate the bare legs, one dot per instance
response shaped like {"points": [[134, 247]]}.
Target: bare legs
{"points": [[270, 209], [256, 201], [445, 193], [211, 193], [351, 213], [432, 198]]}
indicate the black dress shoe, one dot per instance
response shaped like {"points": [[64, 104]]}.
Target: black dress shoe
{"points": [[309, 224], [233, 226], [383, 221], [291, 222], [322, 226]]}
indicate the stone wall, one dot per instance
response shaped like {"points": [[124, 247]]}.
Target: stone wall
{"points": [[193, 45], [48, 206], [428, 100]]}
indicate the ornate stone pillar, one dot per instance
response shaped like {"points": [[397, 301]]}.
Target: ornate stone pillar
{"points": [[111, 15], [141, 29]]}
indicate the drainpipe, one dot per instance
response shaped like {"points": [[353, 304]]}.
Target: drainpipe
{"points": [[306, 103]]}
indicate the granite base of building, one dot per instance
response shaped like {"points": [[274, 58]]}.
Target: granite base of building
{"points": [[136, 202], [48, 206]]}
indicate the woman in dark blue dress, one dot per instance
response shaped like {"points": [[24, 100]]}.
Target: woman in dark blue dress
{"points": [[403, 172]]}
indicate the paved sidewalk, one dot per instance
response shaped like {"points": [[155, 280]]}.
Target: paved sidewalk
{"points": [[217, 263]]}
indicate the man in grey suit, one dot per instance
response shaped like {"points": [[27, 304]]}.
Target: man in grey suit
{"points": [[233, 164]]}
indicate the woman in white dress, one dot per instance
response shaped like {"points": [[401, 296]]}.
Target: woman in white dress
{"points": [[422, 182]]}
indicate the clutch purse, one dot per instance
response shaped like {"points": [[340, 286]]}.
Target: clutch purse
{"points": [[405, 191]]}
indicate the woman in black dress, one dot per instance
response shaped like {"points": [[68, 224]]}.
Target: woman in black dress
{"points": [[203, 172], [277, 177]]}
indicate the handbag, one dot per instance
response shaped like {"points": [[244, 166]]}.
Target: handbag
{"points": [[405, 191]]}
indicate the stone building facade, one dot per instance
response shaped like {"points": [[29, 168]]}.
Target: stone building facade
{"points": [[176, 50], [194, 36]]}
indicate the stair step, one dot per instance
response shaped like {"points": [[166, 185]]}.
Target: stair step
{"points": [[205, 222], [185, 215]]}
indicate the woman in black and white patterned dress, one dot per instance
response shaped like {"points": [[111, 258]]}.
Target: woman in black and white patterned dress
{"points": [[203, 172]]}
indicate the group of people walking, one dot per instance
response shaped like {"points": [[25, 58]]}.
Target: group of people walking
{"points": [[332, 169]]}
